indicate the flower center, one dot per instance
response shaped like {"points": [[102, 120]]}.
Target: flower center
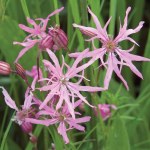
{"points": [[110, 46], [64, 80], [61, 118]]}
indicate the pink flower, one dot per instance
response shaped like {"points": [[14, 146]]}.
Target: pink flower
{"points": [[27, 111], [116, 57], [62, 117], [105, 110], [60, 83], [37, 34]]}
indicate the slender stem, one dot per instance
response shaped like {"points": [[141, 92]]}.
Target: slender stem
{"points": [[112, 12], [25, 9], [38, 63], [3, 122], [6, 134]]}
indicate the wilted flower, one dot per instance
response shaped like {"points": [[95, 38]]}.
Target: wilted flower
{"points": [[105, 110], [27, 111], [116, 57], [5, 68], [60, 83], [62, 117]]}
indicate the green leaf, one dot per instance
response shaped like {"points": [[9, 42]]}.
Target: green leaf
{"points": [[118, 137], [146, 65]]}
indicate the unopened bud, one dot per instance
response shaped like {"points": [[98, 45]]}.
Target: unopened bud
{"points": [[27, 127], [59, 37], [4, 68], [105, 110], [21, 72], [88, 33], [33, 139], [46, 42]]}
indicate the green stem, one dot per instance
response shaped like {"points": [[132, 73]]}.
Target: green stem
{"points": [[57, 15], [6, 133], [3, 122], [112, 12], [25, 10]]}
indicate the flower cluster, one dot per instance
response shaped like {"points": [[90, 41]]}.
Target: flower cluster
{"points": [[62, 84]]}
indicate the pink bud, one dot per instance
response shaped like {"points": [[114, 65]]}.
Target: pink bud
{"points": [[22, 73], [59, 37], [4, 68], [27, 127], [81, 107], [33, 138], [88, 33], [105, 110], [20, 70], [46, 42]]}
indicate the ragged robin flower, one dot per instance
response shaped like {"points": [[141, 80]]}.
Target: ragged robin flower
{"points": [[116, 56], [27, 111], [37, 34], [60, 83], [62, 118]]}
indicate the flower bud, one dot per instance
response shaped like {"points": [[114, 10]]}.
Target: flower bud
{"points": [[59, 37], [88, 33], [22, 73], [46, 42], [4, 68], [26, 127], [33, 139], [105, 110]]}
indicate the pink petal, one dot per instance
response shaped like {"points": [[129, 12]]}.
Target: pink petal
{"points": [[89, 31], [62, 131], [28, 101], [117, 71], [51, 68], [133, 57], [82, 120], [129, 63], [54, 59], [102, 33], [61, 99], [34, 83], [108, 74], [49, 96], [124, 32], [73, 124], [8, 99], [55, 12], [46, 122], [86, 88], [67, 100], [32, 22], [79, 95], [27, 29], [24, 50], [48, 87]]}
